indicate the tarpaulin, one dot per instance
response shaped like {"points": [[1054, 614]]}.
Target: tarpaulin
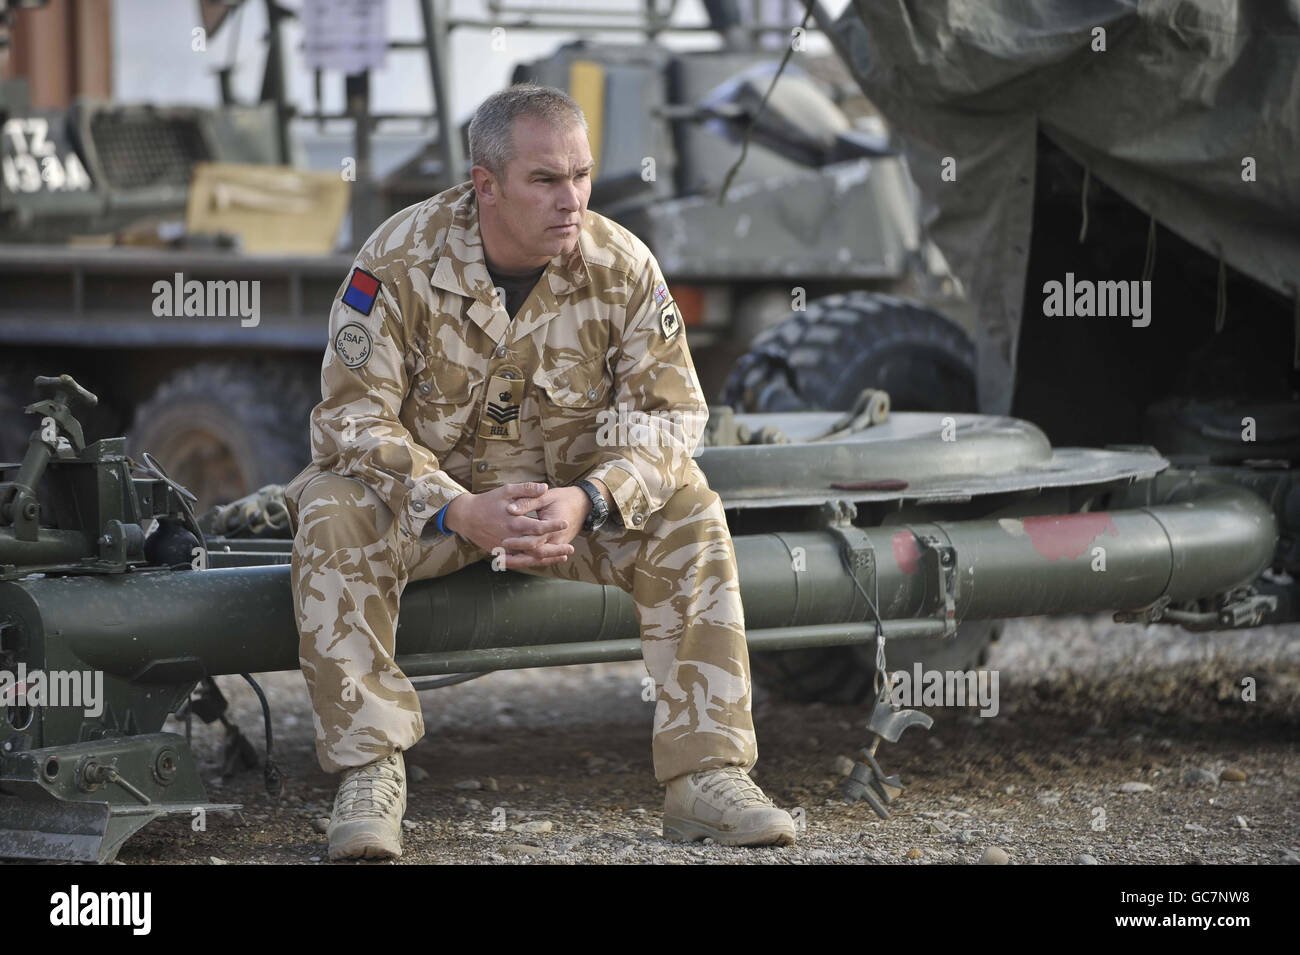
{"points": [[1190, 109]]}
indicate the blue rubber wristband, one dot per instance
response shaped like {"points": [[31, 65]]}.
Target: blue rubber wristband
{"points": [[439, 520]]}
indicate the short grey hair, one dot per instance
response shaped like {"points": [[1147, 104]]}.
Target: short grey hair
{"points": [[490, 144]]}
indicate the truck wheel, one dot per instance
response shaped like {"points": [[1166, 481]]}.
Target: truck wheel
{"points": [[224, 430], [822, 358]]}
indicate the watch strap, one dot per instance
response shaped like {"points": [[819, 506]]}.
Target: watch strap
{"points": [[599, 509]]}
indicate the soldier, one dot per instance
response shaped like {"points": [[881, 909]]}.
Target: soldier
{"points": [[476, 349]]}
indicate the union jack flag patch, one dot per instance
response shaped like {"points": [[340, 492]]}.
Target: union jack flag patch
{"points": [[661, 293]]}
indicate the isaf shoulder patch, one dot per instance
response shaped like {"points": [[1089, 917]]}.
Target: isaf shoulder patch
{"points": [[353, 344], [361, 291]]}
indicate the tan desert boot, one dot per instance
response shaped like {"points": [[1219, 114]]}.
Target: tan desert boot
{"points": [[724, 805], [367, 818]]}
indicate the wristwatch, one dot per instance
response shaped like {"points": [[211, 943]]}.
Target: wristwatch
{"points": [[599, 509]]}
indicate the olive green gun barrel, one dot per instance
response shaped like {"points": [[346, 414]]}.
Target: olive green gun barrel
{"points": [[162, 626]]}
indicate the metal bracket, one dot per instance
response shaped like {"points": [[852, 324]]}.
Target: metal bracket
{"points": [[836, 517], [80, 802], [1241, 608], [1152, 613], [1247, 611], [940, 563], [868, 781]]}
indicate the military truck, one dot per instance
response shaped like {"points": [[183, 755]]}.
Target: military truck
{"points": [[819, 206], [104, 237], [1063, 161]]}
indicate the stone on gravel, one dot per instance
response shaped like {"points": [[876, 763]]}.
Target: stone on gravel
{"points": [[534, 826], [215, 861], [936, 827], [1196, 776], [416, 774], [966, 836], [524, 849], [321, 824], [842, 765], [914, 853], [1195, 827], [1135, 787], [1241, 822], [1232, 775], [995, 856], [469, 784], [1049, 798], [1084, 859], [491, 785]]}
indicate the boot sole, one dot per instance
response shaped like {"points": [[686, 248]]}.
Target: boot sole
{"points": [[365, 846], [677, 829]]}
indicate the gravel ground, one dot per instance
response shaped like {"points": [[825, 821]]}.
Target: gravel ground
{"points": [[1114, 743]]}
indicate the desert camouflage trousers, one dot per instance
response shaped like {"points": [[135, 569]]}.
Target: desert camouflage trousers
{"points": [[351, 563]]}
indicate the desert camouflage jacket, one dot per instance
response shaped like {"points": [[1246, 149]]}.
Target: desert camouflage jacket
{"points": [[429, 388]]}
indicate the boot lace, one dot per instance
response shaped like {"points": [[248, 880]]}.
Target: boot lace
{"points": [[734, 785], [372, 790]]}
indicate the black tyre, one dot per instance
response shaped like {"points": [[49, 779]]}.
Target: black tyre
{"points": [[225, 429], [823, 357]]}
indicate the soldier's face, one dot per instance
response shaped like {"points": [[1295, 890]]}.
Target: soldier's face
{"points": [[540, 203]]}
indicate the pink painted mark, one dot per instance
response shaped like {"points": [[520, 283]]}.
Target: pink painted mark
{"points": [[906, 551], [1067, 535]]}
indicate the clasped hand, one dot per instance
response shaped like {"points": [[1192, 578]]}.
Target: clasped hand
{"points": [[499, 519]]}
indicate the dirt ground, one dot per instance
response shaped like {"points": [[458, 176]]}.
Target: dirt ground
{"points": [[553, 766]]}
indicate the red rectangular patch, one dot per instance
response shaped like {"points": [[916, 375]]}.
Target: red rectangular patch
{"points": [[364, 283]]}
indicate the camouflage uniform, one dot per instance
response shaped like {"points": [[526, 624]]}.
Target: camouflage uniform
{"points": [[433, 390]]}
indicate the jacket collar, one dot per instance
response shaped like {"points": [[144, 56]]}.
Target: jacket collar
{"points": [[462, 269]]}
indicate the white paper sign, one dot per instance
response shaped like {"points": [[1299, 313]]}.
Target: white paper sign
{"points": [[345, 35]]}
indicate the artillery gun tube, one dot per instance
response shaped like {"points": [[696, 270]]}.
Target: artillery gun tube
{"points": [[53, 547], [157, 626]]}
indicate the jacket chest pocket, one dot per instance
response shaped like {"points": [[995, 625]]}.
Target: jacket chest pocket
{"points": [[445, 396], [571, 401]]}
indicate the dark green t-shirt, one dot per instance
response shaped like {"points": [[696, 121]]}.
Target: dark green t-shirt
{"points": [[517, 285]]}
